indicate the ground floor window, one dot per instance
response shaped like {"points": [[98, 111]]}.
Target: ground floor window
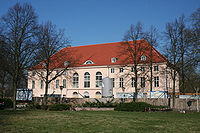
{"points": [[86, 95], [75, 94], [98, 94]]}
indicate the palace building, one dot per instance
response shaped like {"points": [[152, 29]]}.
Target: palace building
{"points": [[89, 64]]}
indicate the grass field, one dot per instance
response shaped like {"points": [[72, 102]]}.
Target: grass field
{"points": [[98, 122]]}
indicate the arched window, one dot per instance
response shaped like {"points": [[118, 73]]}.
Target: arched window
{"points": [[75, 80], [75, 94], [98, 94], [143, 58], [89, 62], [87, 80], [86, 94], [113, 60], [98, 79]]}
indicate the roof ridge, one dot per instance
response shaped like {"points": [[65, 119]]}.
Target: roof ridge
{"points": [[95, 44], [102, 44]]}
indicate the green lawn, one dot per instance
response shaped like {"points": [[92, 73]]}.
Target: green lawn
{"points": [[98, 122]]}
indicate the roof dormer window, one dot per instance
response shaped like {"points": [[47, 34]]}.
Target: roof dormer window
{"points": [[66, 63], [113, 60], [143, 58], [88, 62]]}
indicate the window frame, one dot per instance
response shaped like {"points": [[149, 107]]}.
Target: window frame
{"points": [[113, 82], [41, 84], [87, 80], [86, 94], [156, 81], [133, 83], [75, 80], [64, 83], [113, 60], [112, 70], [57, 83], [88, 62], [142, 82], [143, 58], [99, 79], [156, 68], [33, 84], [121, 69], [142, 69], [121, 82], [132, 69]]}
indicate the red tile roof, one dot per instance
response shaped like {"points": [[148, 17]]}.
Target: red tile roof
{"points": [[101, 54]]}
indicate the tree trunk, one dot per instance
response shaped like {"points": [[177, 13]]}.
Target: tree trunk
{"points": [[174, 87], [14, 94], [151, 72], [45, 101], [136, 74], [136, 80]]}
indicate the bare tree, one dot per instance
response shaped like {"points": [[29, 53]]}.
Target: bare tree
{"points": [[134, 50], [195, 36], [178, 48], [151, 37], [3, 67], [19, 26], [50, 40]]}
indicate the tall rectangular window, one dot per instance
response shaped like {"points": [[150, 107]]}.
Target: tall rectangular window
{"points": [[156, 81], [113, 82], [87, 80], [132, 69], [112, 70], [33, 84], [64, 83], [65, 73], [133, 84], [41, 84], [98, 79], [156, 68], [142, 82], [33, 73], [121, 70], [142, 68], [57, 83], [121, 82], [75, 80]]}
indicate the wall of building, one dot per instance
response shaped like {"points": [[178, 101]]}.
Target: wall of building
{"points": [[165, 82]]}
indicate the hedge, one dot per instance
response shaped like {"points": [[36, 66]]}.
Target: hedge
{"points": [[99, 104], [136, 106], [59, 107], [8, 103]]}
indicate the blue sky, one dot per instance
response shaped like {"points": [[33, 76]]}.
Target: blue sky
{"points": [[104, 21]]}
